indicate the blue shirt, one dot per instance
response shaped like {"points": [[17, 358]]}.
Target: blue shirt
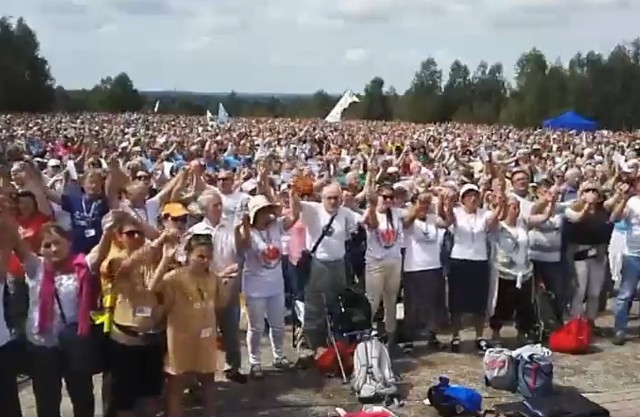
{"points": [[86, 220]]}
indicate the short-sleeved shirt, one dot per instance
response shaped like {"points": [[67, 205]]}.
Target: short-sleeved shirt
{"points": [[86, 220], [470, 235], [190, 304], [262, 269]]}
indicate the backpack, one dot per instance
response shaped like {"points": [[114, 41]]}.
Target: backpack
{"points": [[500, 369], [535, 374], [373, 378], [549, 319], [573, 338], [454, 400]]}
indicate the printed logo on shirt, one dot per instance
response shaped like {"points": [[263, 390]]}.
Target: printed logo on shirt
{"points": [[270, 256], [388, 237]]}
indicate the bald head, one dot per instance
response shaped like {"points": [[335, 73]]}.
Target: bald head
{"points": [[332, 197], [332, 189]]}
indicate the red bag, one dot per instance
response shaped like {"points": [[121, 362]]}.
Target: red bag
{"points": [[574, 337], [327, 362]]}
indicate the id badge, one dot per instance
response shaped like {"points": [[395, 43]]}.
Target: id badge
{"points": [[89, 232], [205, 333], [592, 252], [143, 311]]}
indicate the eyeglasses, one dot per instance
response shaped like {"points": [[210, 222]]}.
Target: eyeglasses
{"points": [[133, 234], [177, 219]]}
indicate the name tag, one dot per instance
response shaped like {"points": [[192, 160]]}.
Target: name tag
{"points": [[143, 311], [89, 232], [205, 333]]}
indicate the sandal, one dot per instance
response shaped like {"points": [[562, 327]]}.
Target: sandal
{"points": [[282, 363], [256, 372], [482, 345]]}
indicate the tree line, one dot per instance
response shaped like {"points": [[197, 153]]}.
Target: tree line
{"points": [[603, 87]]}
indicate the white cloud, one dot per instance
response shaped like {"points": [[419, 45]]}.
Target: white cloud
{"points": [[303, 45], [355, 55]]}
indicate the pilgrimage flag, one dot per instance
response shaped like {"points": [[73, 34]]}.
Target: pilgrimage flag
{"points": [[223, 116], [335, 115]]}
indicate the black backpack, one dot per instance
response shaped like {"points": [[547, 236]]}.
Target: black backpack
{"points": [[351, 313]]}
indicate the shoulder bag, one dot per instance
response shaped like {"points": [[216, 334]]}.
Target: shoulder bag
{"points": [[304, 264], [81, 353]]}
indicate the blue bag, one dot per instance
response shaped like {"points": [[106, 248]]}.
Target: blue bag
{"points": [[535, 376], [454, 400]]}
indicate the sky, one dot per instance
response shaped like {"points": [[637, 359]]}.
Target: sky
{"points": [[300, 46]]}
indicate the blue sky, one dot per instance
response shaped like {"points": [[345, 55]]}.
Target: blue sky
{"points": [[299, 46]]}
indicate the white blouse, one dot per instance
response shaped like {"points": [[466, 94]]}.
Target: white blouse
{"points": [[67, 287], [423, 240], [470, 234]]}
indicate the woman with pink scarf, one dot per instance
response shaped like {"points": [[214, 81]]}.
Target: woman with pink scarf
{"points": [[62, 290]]}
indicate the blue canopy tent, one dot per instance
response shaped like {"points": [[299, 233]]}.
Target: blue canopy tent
{"points": [[570, 121]]}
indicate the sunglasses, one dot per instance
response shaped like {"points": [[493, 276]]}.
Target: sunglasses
{"points": [[133, 234], [177, 219], [386, 197], [142, 177]]}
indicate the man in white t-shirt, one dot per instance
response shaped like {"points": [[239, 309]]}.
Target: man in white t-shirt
{"points": [[328, 226]]}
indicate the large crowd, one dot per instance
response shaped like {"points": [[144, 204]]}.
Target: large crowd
{"points": [[131, 243]]}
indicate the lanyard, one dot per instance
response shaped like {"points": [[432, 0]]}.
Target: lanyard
{"points": [[89, 215], [267, 240]]}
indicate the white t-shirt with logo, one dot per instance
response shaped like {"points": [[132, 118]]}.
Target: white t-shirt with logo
{"points": [[385, 242], [423, 240], [262, 269], [470, 234]]}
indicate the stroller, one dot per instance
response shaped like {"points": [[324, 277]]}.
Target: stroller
{"points": [[348, 319]]}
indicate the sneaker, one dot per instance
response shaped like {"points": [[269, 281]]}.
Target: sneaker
{"points": [[256, 372], [455, 345], [619, 339], [282, 363], [407, 348], [236, 376], [482, 345]]}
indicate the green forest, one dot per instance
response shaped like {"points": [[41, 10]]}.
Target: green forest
{"points": [[602, 86]]}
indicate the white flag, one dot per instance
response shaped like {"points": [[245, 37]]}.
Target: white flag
{"points": [[156, 107], [223, 116], [210, 118], [335, 115]]}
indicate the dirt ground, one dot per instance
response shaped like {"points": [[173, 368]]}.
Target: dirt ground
{"points": [[606, 373]]}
